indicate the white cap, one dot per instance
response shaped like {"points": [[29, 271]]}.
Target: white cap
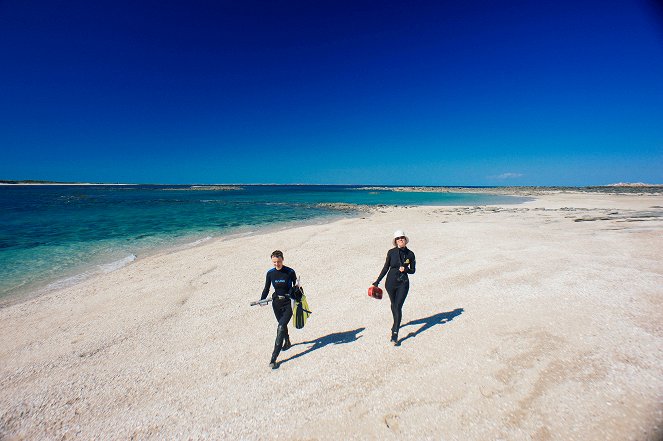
{"points": [[400, 233]]}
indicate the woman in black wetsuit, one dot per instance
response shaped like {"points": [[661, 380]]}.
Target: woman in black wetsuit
{"points": [[400, 262], [282, 278]]}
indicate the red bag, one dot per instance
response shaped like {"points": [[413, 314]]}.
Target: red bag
{"points": [[375, 292]]}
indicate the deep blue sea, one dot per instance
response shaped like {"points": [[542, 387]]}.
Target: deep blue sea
{"points": [[52, 235]]}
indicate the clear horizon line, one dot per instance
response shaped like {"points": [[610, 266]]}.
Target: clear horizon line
{"points": [[46, 182]]}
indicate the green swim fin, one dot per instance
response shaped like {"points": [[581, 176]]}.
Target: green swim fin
{"points": [[301, 313]]}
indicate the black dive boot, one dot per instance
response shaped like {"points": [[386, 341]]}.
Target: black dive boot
{"points": [[394, 338], [286, 341], [280, 335]]}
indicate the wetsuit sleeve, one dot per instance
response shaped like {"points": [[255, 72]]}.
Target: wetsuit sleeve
{"points": [[294, 277], [293, 282], [385, 268], [265, 290], [412, 267]]}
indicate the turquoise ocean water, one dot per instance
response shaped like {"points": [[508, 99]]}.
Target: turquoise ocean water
{"points": [[51, 236]]}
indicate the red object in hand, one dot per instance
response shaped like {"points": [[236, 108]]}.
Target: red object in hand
{"points": [[375, 292]]}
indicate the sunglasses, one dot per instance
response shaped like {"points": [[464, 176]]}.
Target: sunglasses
{"points": [[401, 238]]}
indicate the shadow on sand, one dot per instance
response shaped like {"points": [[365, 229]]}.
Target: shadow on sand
{"points": [[337, 338], [428, 322]]}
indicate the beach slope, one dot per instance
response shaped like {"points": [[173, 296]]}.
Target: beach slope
{"points": [[538, 321]]}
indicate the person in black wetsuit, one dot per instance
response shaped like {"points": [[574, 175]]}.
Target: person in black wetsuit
{"points": [[283, 279], [400, 262]]}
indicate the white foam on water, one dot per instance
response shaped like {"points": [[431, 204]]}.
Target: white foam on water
{"points": [[245, 234], [199, 241], [110, 267], [195, 243], [68, 281], [103, 268]]}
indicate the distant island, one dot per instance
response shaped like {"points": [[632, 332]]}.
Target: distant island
{"points": [[633, 184], [208, 188]]}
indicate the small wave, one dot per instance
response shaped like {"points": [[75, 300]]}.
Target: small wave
{"points": [[68, 281], [245, 233], [195, 243], [198, 242], [110, 267], [77, 278]]}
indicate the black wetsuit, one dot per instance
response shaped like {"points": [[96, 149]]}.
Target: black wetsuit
{"points": [[282, 280], [397, 283]]}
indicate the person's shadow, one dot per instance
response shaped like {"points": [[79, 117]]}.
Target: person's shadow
{"points": [[428, 322], [337, 338]]}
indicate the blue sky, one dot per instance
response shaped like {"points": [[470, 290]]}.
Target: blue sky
{"points": [[339, 92]]}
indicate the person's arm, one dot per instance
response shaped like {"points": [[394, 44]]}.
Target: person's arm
{"points": [[411, 268], [295, 291], [265, 290], [293, 277], [385, 268]]}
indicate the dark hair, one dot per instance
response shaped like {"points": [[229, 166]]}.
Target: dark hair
{"points": [[278, 254]]}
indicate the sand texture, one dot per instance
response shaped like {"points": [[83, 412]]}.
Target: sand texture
{"points": [[539, 321]]}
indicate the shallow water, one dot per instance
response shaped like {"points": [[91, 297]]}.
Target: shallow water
{"points": [[51, 236]]}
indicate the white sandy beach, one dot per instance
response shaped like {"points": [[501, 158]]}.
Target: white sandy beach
{"points": [[540, 321]]}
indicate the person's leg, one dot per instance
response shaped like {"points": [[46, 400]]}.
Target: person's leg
{"points": [[276, 306], [392, 291], [286, 341], [280, 334], [286, 315], [283, 312], [283, 321], [400, 295]]}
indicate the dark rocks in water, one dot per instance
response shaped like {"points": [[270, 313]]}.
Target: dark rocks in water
{"points": [[591, 219], [342, 206]]}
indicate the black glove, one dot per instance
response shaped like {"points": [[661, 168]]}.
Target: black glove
{"points": [[375, 284]]}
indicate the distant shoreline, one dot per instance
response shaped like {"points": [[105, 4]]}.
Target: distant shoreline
{"points": [[431, 188], [620, 188], [528, 190], [35, 183]]}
